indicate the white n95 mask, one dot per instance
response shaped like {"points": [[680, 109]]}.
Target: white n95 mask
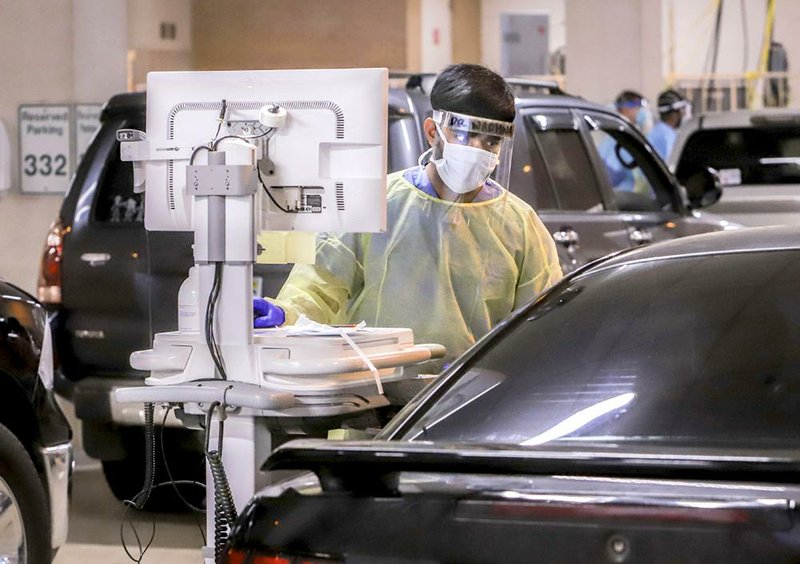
{"points": [[464, 168]]}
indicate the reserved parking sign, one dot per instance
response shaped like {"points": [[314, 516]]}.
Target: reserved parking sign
{"points": [[45, 133]]}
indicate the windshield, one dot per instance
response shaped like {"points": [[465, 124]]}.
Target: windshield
{"points": [[696, 352], [744, 155]]}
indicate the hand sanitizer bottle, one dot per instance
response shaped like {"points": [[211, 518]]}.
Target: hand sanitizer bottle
{"points": [[188, 307]]}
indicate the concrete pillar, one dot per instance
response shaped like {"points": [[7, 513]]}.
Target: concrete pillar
{"points": [[436, 35], [100, 45], [466, 30], [159, 38], [612, 46], [413, 35]]}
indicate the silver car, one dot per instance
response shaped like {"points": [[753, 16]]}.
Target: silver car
{"points": [[757, 156], [594, 180]]}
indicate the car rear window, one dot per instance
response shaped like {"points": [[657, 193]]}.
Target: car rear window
{"points": [[699, 352], [740, 152]]}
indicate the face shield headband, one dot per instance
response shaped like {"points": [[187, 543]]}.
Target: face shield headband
{"points": [[466, 129], [677, 105]]}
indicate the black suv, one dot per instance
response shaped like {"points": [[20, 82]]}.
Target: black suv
{"points": [[113, 285], [35, 437]]}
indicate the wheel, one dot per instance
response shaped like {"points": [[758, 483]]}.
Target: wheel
{"points": [[186, 462], [24, 510]]}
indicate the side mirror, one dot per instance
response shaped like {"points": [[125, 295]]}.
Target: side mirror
{"points": [[703, 188]]}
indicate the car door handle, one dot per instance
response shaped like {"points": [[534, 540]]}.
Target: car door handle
{"points": [[639, 236], [566, 236], [96, 259]]}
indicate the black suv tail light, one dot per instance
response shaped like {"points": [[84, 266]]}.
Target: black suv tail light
{"points": [[49, 285]]}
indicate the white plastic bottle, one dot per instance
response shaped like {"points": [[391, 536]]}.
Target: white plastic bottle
{"points": [[188, 307]]}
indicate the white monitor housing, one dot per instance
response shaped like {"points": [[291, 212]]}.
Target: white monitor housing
{"points": [[323, 165]]}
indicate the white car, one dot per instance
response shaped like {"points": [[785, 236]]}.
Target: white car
{"points": [[757, 156]]}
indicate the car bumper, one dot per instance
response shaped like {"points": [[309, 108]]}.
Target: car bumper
{"points": [[58, 461], [94, 401]]}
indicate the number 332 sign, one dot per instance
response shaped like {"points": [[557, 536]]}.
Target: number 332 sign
{"points": [[44, 144]]}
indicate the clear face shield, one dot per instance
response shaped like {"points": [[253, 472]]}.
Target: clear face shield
{"points": [[476, 150]]}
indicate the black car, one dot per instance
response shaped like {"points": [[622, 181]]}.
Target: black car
{"points": [[35, 437], [645, 409], [113, 285]]}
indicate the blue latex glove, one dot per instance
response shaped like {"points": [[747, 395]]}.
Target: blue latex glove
{"points": [[266, 314]]}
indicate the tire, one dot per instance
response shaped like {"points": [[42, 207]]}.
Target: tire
{"points": [[126, 477], [22, 487]]}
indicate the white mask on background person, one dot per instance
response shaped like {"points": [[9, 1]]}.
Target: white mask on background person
{"points": [[644, 120], [464, 168]]}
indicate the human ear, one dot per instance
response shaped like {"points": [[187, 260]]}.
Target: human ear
{"points": [[429, 127]]}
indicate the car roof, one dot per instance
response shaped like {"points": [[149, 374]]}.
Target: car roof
{"points": [[779, 117], [528, 92], [127, 103], [746, 240]]}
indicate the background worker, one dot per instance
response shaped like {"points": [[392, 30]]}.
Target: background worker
{"points": [[459, 253], [632, 106], [672, 108]]}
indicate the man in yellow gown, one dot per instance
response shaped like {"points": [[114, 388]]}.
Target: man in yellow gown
{"points": [[459, 253]]}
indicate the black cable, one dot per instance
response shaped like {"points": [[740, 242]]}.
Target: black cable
{"points": [[264, 186], [218, 268], [197, 150], [211, 308], [221, 119], [715, 43], [141, 498], [717, 25], [127, 519], [224, 507], [186, 502]]}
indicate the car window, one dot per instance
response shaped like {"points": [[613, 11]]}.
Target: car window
{"points": [[652, 353], [743, 155], [529, 177], [116, 202], [567, 163], [628, 167]]}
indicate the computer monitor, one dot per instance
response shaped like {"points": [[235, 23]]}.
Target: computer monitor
{"points": [[324, 144]]}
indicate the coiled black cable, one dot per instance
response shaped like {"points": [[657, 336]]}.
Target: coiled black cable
{"points": [[224, 508], [140, 499]]}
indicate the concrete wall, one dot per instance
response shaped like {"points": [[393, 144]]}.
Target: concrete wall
{"points": [[597, 73], [690, 25], [37, 64], [435, 34], [148, 50], [266, 34], [491, 10], [54, 52], [466, 27], [99, 48]]}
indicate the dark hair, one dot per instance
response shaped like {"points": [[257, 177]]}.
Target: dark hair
{"points": [[627, 96], [473, 90], [671, 101]]}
